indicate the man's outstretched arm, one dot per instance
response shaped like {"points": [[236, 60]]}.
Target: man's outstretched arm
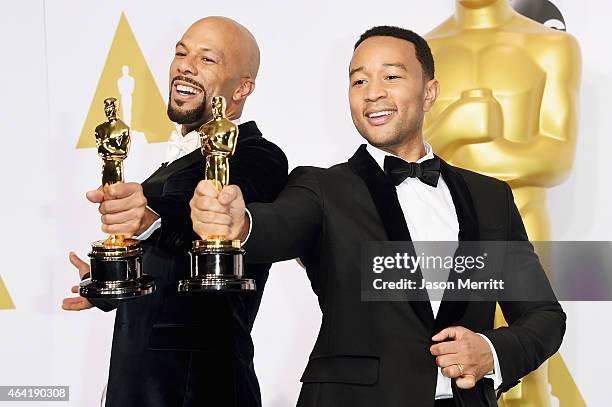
{"points": [[281, 230]]}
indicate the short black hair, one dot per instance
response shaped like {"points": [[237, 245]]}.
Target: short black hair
{"points": [[423, 52]]}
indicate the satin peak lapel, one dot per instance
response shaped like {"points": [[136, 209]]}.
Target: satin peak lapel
{"points": [[451, 311], [384, 196]]}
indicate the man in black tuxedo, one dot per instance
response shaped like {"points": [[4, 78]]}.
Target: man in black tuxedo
{"points": [[173, 349], [394, 354]]}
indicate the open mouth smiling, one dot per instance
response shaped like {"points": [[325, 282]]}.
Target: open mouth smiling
{"points": [[379, 117], [183, 89]]}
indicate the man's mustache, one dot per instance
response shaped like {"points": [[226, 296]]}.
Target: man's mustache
{"points": [[188, 80]]}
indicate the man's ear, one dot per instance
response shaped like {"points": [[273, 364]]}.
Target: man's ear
{"points": [[431, 92], [247, 86]]}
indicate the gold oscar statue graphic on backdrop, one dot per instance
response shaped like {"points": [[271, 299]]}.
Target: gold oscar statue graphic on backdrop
{"points": [[116, 263], [508, 108], [142, 106], [5, 299], [216, 263]]}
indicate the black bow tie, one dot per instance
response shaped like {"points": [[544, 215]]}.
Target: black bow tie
{"points": [[427, 171]]}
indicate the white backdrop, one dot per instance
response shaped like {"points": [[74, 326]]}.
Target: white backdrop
{"points": [[52, 56]]}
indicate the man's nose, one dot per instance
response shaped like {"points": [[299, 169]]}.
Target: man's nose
{"points": [[187, 65], [375, 91]]}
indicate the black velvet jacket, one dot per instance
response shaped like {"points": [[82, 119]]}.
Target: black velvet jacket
{"points": [[173, 349]]}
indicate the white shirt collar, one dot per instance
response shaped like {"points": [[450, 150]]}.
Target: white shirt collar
{"points": [[379, 155], [179, 146]]}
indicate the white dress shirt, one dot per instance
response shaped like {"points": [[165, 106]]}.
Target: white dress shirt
{"points": [[431, 216], [177, 147]]}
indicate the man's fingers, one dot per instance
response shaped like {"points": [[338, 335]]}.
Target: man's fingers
{"points": [[216, 214], [136, 201], [210, 229], [453, 371], [79, 264], [76, 304], [207, 204], [443, 334], [95, 196], [447, 361], [207, 188], [449, 372], [71, 301], [452, 332], [466, 381], [127, 229], [110, 193], [121, 190], [230, 194], [122, 217], [204, 230], [212, 217], [444, 348]]}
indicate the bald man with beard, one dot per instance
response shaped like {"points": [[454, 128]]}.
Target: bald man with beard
{"points": [[184, 350]]}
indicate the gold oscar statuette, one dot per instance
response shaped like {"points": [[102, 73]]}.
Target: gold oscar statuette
{"points": [[216, 263], [116, 263]]}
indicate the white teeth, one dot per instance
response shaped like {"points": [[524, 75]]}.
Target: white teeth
{"points": [[186, 89], [378, 114]]}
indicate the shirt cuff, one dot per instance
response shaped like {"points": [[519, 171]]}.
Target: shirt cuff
{"points": [[250, 226], [154, 226], [495, 374]]}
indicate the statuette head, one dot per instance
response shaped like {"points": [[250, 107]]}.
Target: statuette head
{"points": [[218, 107], [110, 108]]}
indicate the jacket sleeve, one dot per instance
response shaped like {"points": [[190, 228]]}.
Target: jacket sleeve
{"points": [[288, 227], [260, 170], [536, 328]]}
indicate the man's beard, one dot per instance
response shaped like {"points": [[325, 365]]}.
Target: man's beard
{"points": [[191, 116], [396, 136]]}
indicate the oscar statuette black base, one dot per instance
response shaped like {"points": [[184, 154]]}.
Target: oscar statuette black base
{"points": [[216, 266], [116, 274]]}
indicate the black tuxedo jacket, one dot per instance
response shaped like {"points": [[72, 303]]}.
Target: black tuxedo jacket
{"points": [[377, 353], [173, 349]]}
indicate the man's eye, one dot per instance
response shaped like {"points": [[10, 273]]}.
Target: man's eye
{"points": [[391, 77], [208, 60], [358, 82], [179, 54]]}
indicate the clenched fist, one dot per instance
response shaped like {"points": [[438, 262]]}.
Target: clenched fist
{"points": [[123, 207], [219, 214], [462, 355]]}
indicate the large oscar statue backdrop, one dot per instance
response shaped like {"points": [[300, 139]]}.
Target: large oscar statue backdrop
{"points": [[508, 108]]}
